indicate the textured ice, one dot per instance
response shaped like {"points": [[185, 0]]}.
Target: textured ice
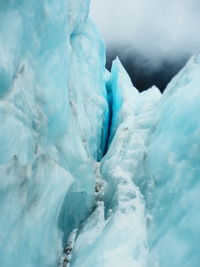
{"points": [[116, 233], [92, 172], [52, 109], [173, 173]]}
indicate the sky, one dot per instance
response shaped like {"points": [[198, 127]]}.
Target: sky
{"points": [[149, 34]]}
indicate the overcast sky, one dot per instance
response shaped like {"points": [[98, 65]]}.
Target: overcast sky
{"points": [[157, 29]]}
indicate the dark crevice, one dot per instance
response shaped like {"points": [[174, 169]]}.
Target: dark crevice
{"points": [[109, 118]]}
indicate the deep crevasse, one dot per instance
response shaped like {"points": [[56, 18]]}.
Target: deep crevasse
{"points": [[59, 114], [149, 216], [116, 233]]}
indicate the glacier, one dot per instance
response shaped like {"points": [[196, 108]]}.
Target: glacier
{"points": [[92, 172]]}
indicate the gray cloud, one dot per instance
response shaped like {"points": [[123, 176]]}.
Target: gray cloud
{"points": [[156, 29]]}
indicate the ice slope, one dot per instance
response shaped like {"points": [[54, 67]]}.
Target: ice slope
{"points": [[52, 111], [116, 233], [172, 174]]}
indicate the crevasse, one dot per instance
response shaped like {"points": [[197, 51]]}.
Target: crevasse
{"points": [[92, 172]]}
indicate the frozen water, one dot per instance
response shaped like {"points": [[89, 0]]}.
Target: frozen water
{"points": [[116, 233], [92, 172], [52, 112], [173, 173]]}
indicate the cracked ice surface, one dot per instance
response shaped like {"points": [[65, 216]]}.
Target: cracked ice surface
{"points": [[120, 223]]}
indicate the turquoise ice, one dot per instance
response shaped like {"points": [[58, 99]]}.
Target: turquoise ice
{"points": [[52, 110], [92, 172], [173, 173]]}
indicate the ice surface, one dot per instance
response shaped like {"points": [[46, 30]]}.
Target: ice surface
{"points": [[173, 173], [92, 172], [52, 108]]}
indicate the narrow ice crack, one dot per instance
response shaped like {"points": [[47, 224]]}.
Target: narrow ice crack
{"points": [[67, 254], [68, 249]]}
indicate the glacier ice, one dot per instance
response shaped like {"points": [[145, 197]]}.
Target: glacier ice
{"points": [[52, 108], [116, 233], [92, 172], [173, 169]]}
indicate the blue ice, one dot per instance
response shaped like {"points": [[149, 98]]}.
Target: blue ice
{"points": [[92, 172]]}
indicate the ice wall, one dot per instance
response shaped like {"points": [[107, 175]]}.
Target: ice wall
{"points": [[172, 173], [52, 109]]}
